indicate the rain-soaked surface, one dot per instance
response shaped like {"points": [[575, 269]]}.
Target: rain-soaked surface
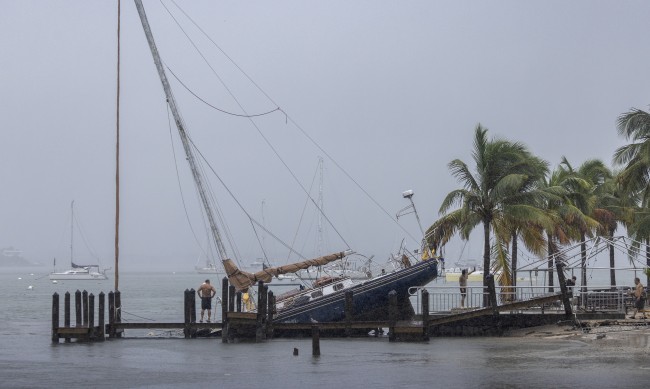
{"points": [[29, 359]]}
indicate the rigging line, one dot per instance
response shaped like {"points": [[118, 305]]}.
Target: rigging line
{"points": [[295, 237], [289, 118], [178, 180], [241, 207], [216, 108], [253, 122], [214, 72]]}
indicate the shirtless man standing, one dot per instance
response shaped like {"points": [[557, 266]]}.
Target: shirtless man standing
{"points": [[206, 292]]}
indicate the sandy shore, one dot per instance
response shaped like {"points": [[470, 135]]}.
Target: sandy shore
{"points": [[611, 335]]}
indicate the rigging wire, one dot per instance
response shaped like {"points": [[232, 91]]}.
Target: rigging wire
{"points": [[289, 118], [266, 140], [214, 107], [178, 180]]}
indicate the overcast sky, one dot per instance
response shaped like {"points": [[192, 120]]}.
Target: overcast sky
{"points": [[391, 90]]}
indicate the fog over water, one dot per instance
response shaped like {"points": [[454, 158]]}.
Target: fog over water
{"points": [[391, 91]]}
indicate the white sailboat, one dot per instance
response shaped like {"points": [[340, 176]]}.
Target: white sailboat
{"points": [[77, 272]]}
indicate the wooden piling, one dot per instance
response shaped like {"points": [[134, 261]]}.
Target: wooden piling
{"points": [[66, 313], [231, 298], [118, 311], [425, 314], [55, 317], [224, 310], [91, 316], [392, 315], [77, 308], [111, 314], [260, 325], [315, 341], [100, 317], [238, 301], [84, 309], [192, 300], [269, 314], [186, 314], [349, 312]]}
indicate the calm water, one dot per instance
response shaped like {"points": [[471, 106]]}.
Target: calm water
{"points": [[29, 360]]}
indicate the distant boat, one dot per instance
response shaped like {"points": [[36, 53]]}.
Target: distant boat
{"points": [[209, 268], [77, 272], [81, 272]]}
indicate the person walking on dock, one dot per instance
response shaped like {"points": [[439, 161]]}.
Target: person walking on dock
{"points": [[639, 298], [206, 292]]}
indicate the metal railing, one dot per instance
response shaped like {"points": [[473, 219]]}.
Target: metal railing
{"points": [[444, 299]]}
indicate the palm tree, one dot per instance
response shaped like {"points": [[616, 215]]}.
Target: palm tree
{"points": [[502, 170], [634, 125], [523, 219], [585, 190], [638, 228]]}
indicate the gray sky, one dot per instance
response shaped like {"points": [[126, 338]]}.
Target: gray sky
{"points": [[391, 90]]}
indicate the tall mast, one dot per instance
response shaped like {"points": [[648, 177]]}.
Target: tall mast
{"points": [[71, 231], [198, 179], [320, 208], [117, 161]]}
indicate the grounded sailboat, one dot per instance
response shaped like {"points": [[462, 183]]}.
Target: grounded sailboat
{"points": [[77, 272], [325, 301]]}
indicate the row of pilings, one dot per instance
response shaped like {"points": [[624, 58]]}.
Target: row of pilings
{"points": [[238, 323], [84, 328]]}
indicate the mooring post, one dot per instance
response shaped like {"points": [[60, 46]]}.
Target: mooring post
{"points": [[224, 310], [100, 316], [349, 312], [84, 299], [492, 294], [231, 298], [111, 314], [192, 300], [561, 278], [66, 312], [91, 316], [186, 313], [55, 318], [392, 315], [425, 314], [315, 341], [77, 308], [118, 312], [269, 314], [260, 329]]}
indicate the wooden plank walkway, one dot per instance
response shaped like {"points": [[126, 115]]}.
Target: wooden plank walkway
{"points": [[537, 301]]}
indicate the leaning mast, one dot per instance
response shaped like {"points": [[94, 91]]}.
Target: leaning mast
{"points": [[198, 179]]}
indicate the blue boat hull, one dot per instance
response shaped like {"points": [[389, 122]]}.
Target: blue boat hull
{"points": [[370, 300]]}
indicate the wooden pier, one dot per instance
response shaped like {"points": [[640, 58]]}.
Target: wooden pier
{"points": [[238, 325]]}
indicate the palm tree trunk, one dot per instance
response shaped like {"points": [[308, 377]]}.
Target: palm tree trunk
{"points": [[612, 270], [550, 263], [486, 259], [513, 270]]}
